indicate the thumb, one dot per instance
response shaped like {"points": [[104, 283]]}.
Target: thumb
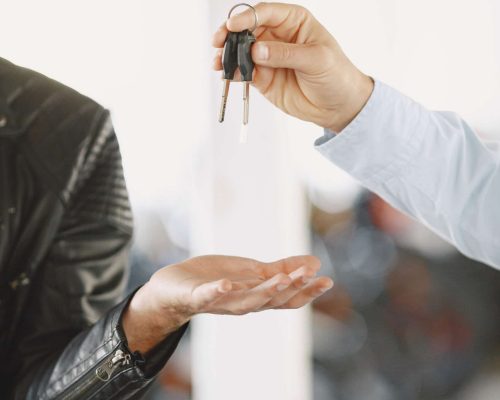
{"points": [[301, 57], [208, 292]]}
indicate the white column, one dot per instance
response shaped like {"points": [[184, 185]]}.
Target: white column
{"points": [[248, 202]]}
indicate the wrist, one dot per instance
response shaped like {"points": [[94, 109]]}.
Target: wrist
{"points": [[146, 322], [360, 90]]}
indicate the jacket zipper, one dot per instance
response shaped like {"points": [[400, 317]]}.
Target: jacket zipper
{"points": [[103, 371]]}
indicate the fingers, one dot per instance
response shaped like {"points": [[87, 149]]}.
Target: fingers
{"points": [[279, 55], [300, 278], [244, 285], [275, 54], [219, 36], [286, 18], [209, 292], [315, 289], [249, 300], [255, 299], [288, 265], [262, 294], [217, 61], [281, 291], [269, 14]]}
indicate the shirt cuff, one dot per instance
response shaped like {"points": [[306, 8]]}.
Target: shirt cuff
{"points": [[381, 140]]}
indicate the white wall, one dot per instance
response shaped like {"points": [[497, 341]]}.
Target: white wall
{"points": [[248, 202]]}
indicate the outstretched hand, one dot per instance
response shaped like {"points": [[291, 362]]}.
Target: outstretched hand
{"points": [[218, 285]]}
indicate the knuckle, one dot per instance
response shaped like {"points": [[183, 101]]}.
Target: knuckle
{"points": [[261, 5], [286, 52], [301, 10], [299, 282]]}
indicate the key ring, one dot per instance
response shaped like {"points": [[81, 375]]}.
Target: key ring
{"points": [[254, 13]]}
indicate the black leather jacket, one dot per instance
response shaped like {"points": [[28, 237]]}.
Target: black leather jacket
{"points": [[65, 227]]}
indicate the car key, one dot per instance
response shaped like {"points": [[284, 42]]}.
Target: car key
{"points": [[229, 66], [237, 54], [245, 63]]}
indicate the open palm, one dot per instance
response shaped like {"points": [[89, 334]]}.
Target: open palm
{"points": [[236, 285]]}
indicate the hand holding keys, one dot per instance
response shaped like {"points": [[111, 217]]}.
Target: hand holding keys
{"points": [[237, 54]]}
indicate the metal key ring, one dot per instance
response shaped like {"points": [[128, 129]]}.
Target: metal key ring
{"points": [[254, 13]]}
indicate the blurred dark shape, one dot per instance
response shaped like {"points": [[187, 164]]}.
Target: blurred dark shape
{"points": [[402, 323]]}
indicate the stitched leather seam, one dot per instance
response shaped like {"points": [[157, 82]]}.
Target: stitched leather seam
{"points": [[51, 180], [20, 89], [51, 387], [122, 389]]}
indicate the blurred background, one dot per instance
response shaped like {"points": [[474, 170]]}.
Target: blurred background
{"points": [[409, 318]]}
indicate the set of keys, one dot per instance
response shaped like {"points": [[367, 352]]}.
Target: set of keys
{"points": [[237, 55]]}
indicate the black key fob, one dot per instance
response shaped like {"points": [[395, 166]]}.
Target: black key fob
{"points": [[230, 55], [245, 41]]}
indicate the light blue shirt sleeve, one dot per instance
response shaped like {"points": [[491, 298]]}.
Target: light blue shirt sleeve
{"points": [[430, 165]]}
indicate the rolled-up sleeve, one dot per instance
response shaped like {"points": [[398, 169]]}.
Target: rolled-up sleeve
{"points": [[430, 165]]}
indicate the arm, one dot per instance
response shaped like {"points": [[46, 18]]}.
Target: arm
{"points": [[428, 164], [78, 341], [431, 165]]}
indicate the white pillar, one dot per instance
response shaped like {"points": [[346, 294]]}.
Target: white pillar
{"points": [[248, 202]]}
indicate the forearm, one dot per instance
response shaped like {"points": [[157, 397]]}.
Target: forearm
{"points": [[430, 165], [98, 362]]}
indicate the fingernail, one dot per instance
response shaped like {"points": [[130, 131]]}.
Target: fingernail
{"points": [[326, 289], [281, 287], [262, 51]]}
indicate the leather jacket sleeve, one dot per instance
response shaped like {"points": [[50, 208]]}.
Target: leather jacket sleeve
{"points": [[71, 344]]}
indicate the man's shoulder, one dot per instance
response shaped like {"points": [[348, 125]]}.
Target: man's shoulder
{"points": [[55, 125], [30, 96]]}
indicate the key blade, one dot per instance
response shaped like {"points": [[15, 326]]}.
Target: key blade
{"points": [[246, 102], [223, 104]]}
